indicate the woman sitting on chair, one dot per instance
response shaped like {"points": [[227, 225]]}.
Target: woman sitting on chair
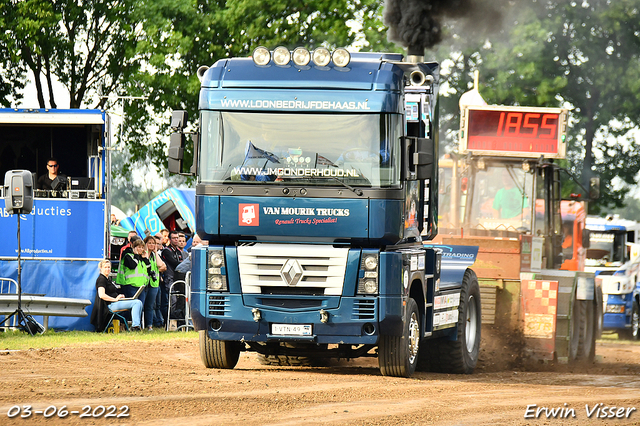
{"points": [[109, 298]]}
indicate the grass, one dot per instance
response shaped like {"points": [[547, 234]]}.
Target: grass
{"points": [[18, 340]]}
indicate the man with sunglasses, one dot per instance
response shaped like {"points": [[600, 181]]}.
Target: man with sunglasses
{"points": [[48, 180]]}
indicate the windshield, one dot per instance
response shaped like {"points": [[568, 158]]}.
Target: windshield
{"points": [[309, 149], [606, 248], [501, 199]]}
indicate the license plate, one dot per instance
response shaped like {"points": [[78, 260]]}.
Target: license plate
{"points": [[291, 329]]}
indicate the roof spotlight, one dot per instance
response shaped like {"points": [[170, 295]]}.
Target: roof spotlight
{"points": [[301, 56], [261, 55], [341, 57], [281, 55], [321, 57]]}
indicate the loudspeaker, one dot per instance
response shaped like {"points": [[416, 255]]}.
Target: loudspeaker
{"points": [[18, 191]]}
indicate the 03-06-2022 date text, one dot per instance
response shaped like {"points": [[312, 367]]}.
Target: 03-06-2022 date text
{"points": [[110, 411]]}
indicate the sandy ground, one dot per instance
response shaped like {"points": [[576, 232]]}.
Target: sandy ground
{"points": [[164, 383]]}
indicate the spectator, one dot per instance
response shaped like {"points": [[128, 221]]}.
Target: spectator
{"points": [[158, 317], [134, 268], [114, 219], [128, 245], [183, 244], [185, 265], [153, 271], [52, 180], [165, 237], [172, 256], [109, 295]]}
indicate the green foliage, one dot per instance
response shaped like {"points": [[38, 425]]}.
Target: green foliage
{"points": [[580, 55]]}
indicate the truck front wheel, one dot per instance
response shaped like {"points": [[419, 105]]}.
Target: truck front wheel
{"points": [[460, 356], [218, 353], [398, 355]]}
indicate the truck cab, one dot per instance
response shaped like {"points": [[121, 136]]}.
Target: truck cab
{"points": [[316, 191]]}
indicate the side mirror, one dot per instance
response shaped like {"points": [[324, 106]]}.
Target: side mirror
{"points": [[176, 152], [423, 158], [419, 158], [178, 119], [594, 188]]}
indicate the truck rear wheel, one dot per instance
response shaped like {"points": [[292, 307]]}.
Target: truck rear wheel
{"points": [[587, 339], [460, 356], [218, 353], [398, 355]]}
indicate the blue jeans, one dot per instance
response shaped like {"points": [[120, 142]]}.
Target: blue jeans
{"points": [[134, 305], [158, 317], [150, 305]]}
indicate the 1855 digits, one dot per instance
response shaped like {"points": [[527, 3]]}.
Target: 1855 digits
{"points": [[26, 411]]}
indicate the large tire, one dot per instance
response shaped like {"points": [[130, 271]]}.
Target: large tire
{"points": [[398, 355], [443, 355], [633, 333], [218, 353], [575, 328], [588, 324], [460, 356]]}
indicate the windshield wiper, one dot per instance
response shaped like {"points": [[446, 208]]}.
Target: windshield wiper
{"points": [[356, 191]]}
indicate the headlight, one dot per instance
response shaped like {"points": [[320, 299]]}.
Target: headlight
{"points": [[217, 283], [261, 55], [301, 56], [370, 286], [341, 57], [321, 57], [369, 279], [371, 262], [216, 259], [614, 309], [281, 55]]}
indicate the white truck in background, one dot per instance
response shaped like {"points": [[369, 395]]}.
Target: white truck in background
{"points": [[614, 256]]}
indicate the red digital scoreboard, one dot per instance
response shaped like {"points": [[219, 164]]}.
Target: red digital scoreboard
{"points": [[514, 131]]}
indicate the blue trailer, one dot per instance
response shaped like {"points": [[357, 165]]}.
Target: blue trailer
{"points": [[67, 233], [317, 191]]}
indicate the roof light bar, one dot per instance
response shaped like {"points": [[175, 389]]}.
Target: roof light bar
{"points": [[301, 56]]}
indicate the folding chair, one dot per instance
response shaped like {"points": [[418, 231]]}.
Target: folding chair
{"points": [[115, 315]]}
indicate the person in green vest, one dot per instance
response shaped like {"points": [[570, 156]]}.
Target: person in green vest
{"points": [[133, 272], [155, 266]]}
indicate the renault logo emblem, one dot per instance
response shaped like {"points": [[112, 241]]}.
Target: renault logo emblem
{"points": [[291, 272]]}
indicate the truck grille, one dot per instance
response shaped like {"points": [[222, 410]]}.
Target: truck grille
{"points": [[364, 309], [218, 305], [301, 269]]}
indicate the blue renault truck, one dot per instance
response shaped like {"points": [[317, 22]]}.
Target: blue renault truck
{"points": [[317, 191]]}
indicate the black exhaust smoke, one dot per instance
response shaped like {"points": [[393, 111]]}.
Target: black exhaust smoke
{"points": [[417, 24]]}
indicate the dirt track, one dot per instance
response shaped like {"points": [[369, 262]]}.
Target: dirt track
{"points": [[164, 383]]}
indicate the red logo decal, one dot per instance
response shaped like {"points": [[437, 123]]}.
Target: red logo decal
{"points": [[249, 215]]}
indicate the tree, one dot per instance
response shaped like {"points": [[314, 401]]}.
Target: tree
{"points": [[581, 55], [89, 47], [183, 35]]}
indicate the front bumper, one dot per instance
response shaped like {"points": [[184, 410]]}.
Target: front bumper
{"points": [[349, 320]]}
